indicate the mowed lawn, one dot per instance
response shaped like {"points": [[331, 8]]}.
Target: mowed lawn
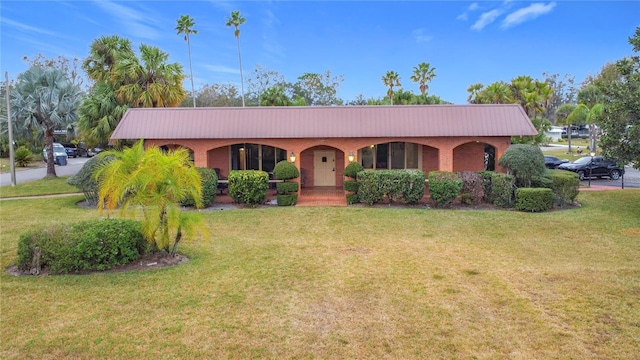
{"points": [[337, 283]]}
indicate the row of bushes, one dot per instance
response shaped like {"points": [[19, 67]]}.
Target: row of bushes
{"points": [[500, 189], [88, 245]]}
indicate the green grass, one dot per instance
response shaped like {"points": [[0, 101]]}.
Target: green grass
{"points": [[5, 164], [340, 283], [46, 186]]}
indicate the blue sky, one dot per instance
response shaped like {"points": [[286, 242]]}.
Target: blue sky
{"points": [[467, 42]]}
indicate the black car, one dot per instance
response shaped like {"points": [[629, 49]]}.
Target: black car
{"points": [[71, 150], [552, 162], [598, 168]]}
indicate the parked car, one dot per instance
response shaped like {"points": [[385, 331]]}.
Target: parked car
{"points": [[71, 150], [83, 150], [552, 162], [598, 168], [59, 154]]}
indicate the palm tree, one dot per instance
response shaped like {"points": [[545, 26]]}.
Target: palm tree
{"points": [[236, 20], [100, 113], [185, 25], [566, 115], [391, 79], [474, 90], [150, 81], [275, 96], [496, 93], [44, 98], [156, 182], [104, 54], [423, 74]]}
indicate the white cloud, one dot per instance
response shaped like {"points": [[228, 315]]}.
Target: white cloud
{"points": [[525, 14], [133, 22], [420, 36], [26, 28], [270, 41], [221, 69], [486, 18], [465, 15]]}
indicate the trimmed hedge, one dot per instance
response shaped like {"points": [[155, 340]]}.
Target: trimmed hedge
{"points": [[287, 187], [502, 189], [88, 245], [353, 169], [352, 199], [287, 199], [406, 186], [534, 199], [524, 161], [248, 186], [351, 185], [486, 183], [285, 170], [565, 186], [209, 187], [472, 188], [444, 187]]}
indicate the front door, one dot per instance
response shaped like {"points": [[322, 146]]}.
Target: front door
{"points": [[324, 168]]}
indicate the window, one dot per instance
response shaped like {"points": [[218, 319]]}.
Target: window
{"points": [[255, 157], [395, 155]]}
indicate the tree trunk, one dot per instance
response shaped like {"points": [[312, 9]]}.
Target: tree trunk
{"points": [[51, 169], [175, 243]]}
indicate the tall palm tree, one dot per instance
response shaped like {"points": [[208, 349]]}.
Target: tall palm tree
{"points": [[150, 81], [44, 98], [104, 53], [391, 79], [236, 20], [185, 25], [423, 74], [474, 90]]}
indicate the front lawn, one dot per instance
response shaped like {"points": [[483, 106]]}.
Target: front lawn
{"points": [[337, 283], [46, 186]]}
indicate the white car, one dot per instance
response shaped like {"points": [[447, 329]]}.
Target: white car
{"points": [[59, 154]]}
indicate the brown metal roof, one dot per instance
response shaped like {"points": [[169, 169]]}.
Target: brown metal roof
{"points": [[324, 122]]}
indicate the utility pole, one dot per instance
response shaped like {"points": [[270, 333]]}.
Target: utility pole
{"points": [[12, 159]]}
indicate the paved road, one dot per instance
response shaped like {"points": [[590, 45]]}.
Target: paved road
{"points": [[631, 179], [72, 168]]}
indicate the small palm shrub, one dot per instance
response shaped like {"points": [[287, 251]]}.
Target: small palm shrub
{"points": [[23, 156], [88, 245]]}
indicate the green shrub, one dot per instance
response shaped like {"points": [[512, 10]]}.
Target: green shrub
{"points": [[88, 245], [352, 199], [534, 199], [285, 170], [353, 169], [472, 187], [287, 199], [486, 184], [565, 186], [248, 186], [85, 181], [23, 156], [351, 185], [444, 187], [287, 187], [406, 186], [524, 161], [541, 181], [502, 189], [209, 187]]}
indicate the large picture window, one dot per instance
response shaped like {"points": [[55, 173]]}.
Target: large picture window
{"points": [[395, 155], [256, 157]]}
